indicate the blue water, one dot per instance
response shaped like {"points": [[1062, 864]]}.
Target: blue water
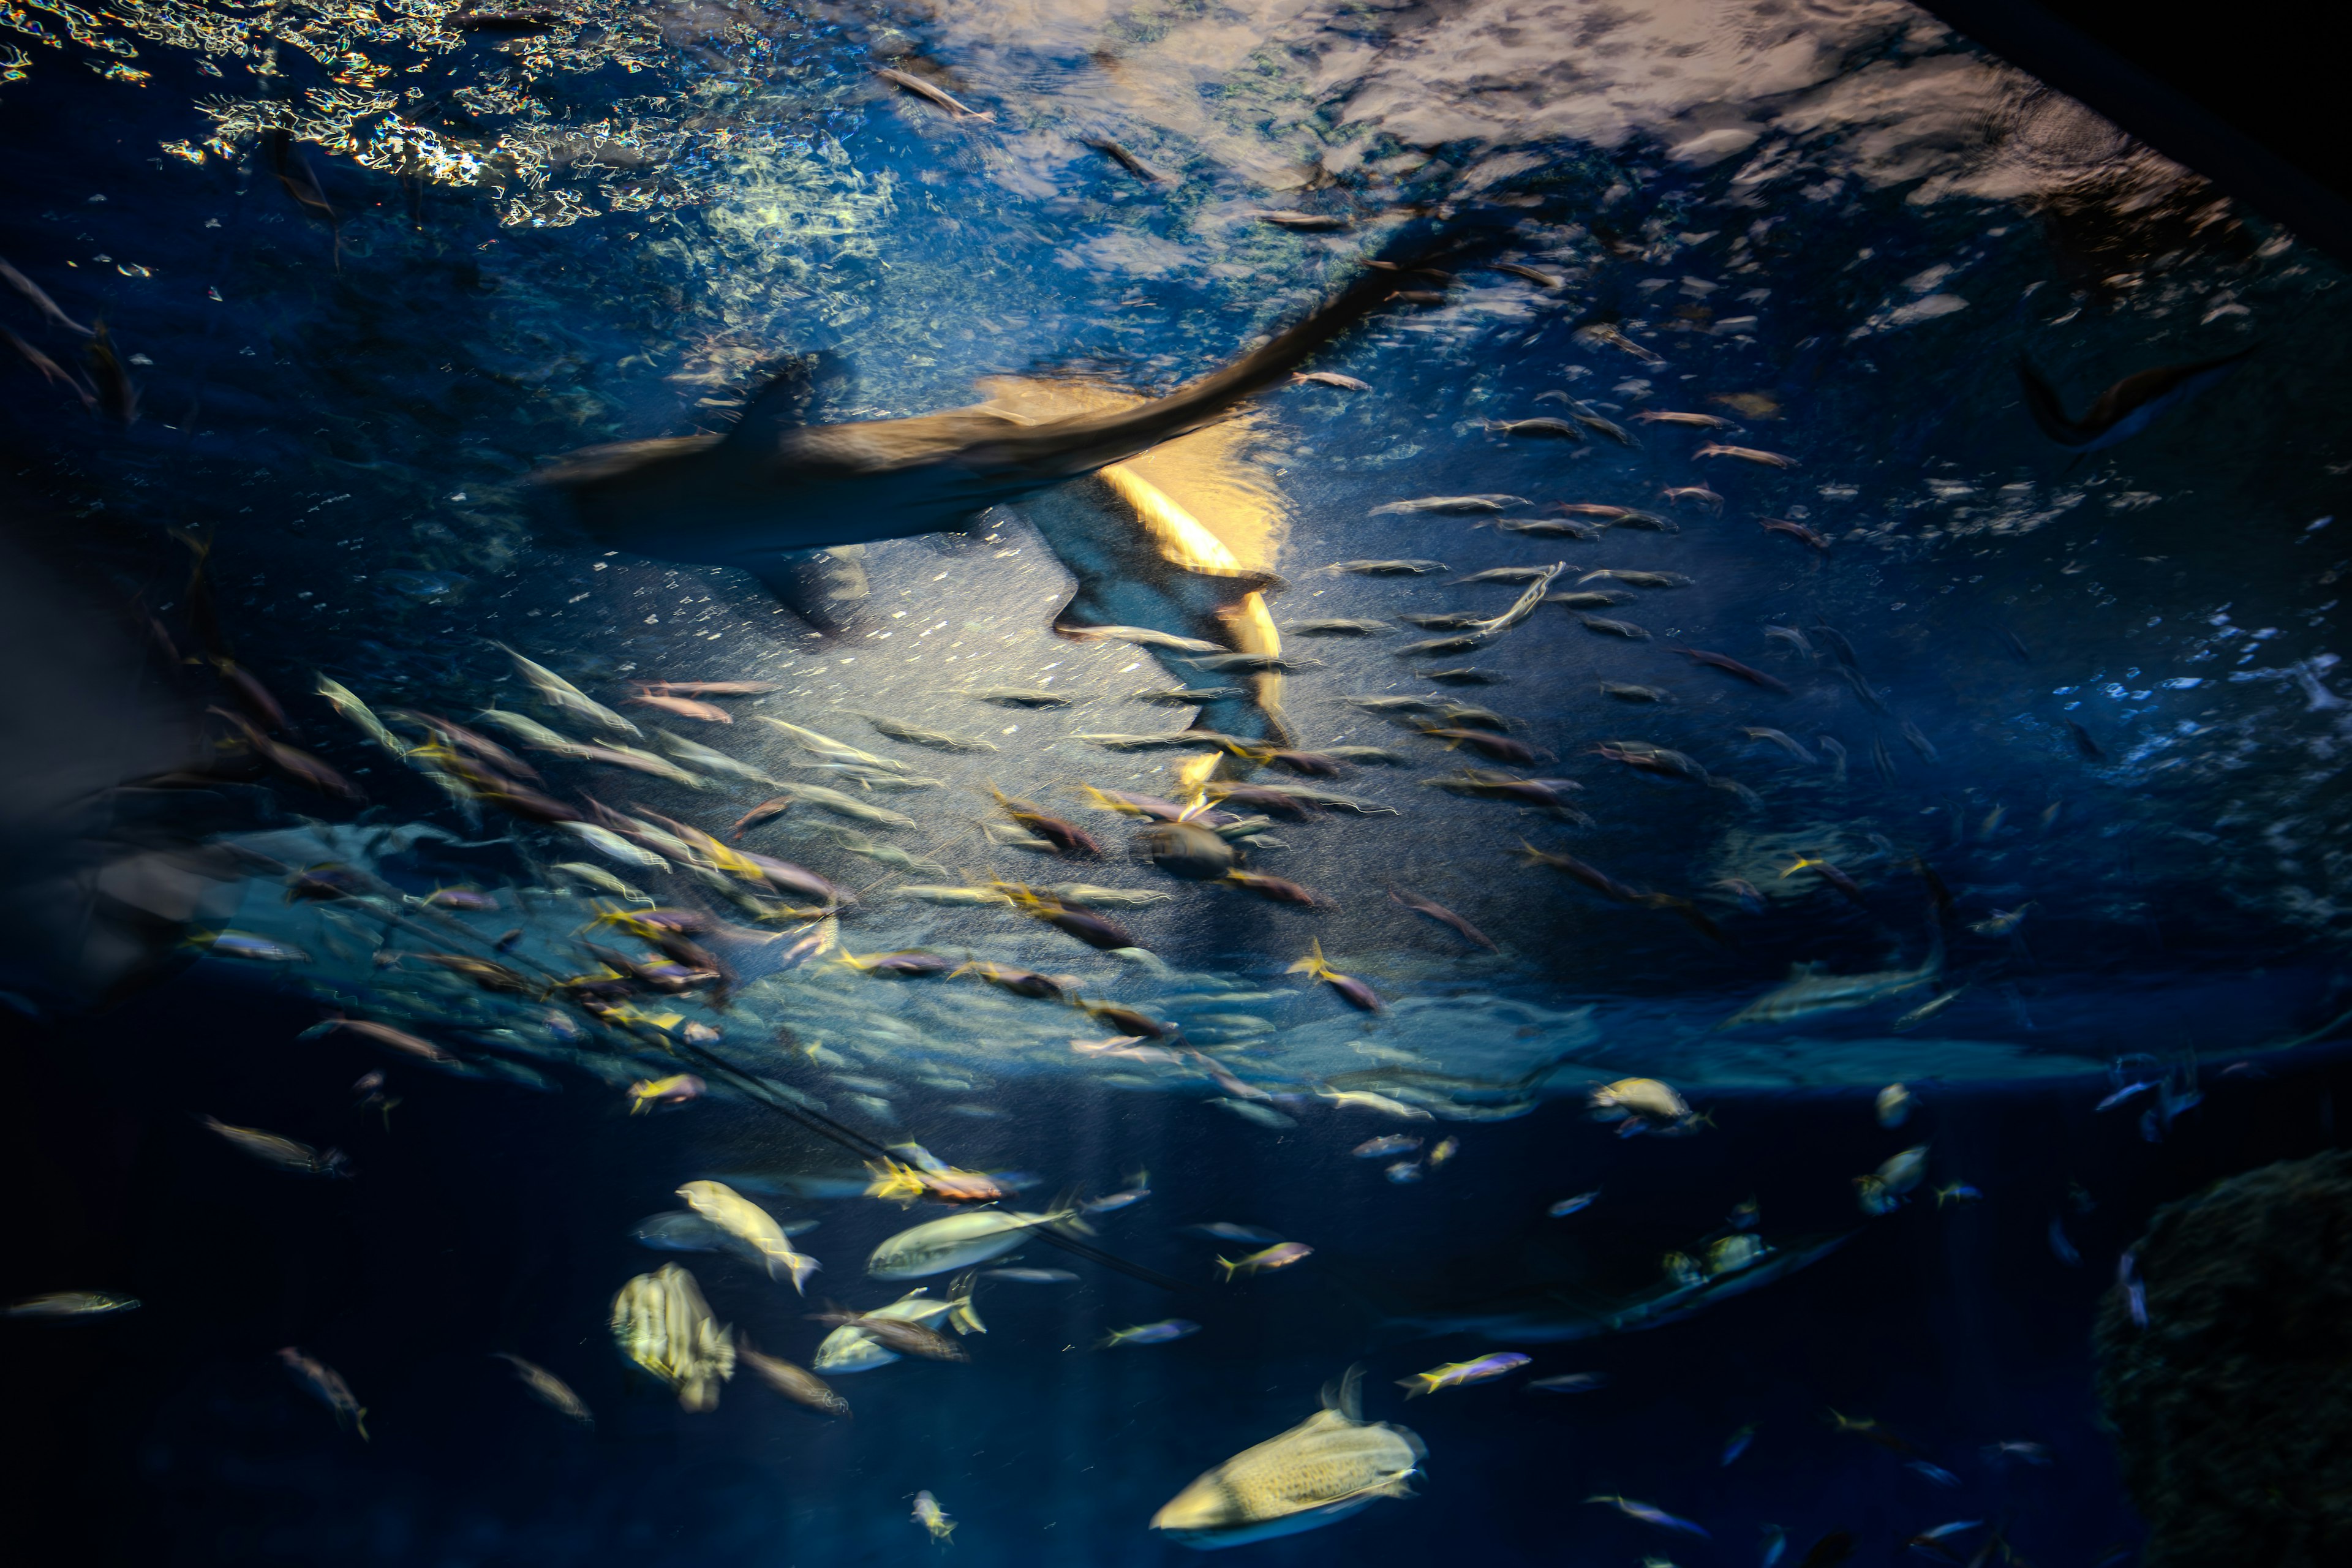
{"points": [[1839, 227]]}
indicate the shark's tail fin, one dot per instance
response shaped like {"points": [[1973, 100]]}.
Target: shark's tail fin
{"points": [[2043, 402], [1072, 446]]}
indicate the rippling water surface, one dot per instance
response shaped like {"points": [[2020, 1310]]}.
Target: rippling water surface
{"points": [[2038, 749]]}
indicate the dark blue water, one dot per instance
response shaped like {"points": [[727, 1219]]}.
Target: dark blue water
{"points": [[1841, 226]]}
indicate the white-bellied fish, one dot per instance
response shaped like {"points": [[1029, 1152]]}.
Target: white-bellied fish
{"points": [[959, 1241], [932, 1518], [1323, 1469], [850, 1348], [549, 1389], [749, 1224], [66, 1306]]}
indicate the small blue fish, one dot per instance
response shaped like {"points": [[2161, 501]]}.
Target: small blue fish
{"points": [[1650, 1514], [1034, 1275], [254, 949], [1738, 1443], [2061, 1246], [1776, 1542], [1570, 1383], [1999, 1453], [1936, 1473], [1117, 1200], [1225, 1230], [2128, 1091], [1403, 1171], [1577, 1204], [1158, 1333]]}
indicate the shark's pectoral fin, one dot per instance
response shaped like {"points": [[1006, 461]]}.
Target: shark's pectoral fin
{"points": [[826, 588]]}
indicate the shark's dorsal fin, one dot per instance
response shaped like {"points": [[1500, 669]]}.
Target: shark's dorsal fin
{"points": [[784, 403]]}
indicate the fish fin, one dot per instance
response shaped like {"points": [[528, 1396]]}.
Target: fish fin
{"points": [[1344, 1395], [2042, 401], [784, 402], [825, 587], [359, 1424]]}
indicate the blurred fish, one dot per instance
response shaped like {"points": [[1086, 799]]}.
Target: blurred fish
{"points": [[1558, 429], [49, 369], [283, 1153], [1323, 1469], [1031, 1275], [938, 740], [1894, 1105], [1018, 697], [1389, 568], [1331, 378], [1796, 530], [2061, 1246], [1281, 1255], [2001, 923], [1576, 1205], [1730, 666], [1115, 1201], [1158, 1333], [662, 1323], [563, 697], [959, 1241], [1354, 992], [749, 1224], [1649, 1513], [1883, 1191], [1737, 1443], [71, 1305], [1957, 1193], [1745, 455], [900, 1336], [1376, 1148], [675, 1090], [548, 1389], [1925, 1010], [1337, 627], [1403, 1172], [381, 1034], [795, 1382], [1459, 1373], [1445, 1150], [1570, 1383], [1775, 1544], [327, 1386], [1451, 504], [1225, 1230], [927, 1513], [41, 301], [2125, 408], [1809, 993], [1936, 1473], [935, 95], [1264, 1115]]}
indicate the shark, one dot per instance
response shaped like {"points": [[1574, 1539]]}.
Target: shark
{"points": [[794, 502], [1809, 992], [2124, 409], [1561, 1313]]}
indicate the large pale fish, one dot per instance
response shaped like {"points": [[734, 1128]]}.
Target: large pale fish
{"points": [[1809, 992], [662, 1323], [1321, 1470], [749, 1224], [959, 1241], [850, 1348]]}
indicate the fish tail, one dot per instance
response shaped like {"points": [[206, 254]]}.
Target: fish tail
{"points": [[359, 1424], [1229, 1269]]}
